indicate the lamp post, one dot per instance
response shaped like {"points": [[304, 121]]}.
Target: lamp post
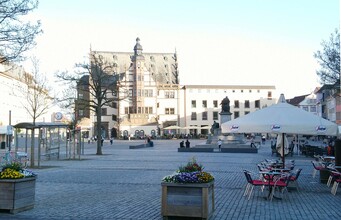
{"points": [[9, 131]]}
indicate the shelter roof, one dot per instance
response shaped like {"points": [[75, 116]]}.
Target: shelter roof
{"points": [[296, 100], [29, 125]]}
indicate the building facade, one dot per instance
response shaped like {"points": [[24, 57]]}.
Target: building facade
{"points": [[149, 97], [328, 102], [15, 106], [306, 102], [12, 100], [201, 104]]}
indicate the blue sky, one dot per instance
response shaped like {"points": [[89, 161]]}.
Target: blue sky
{"points": [[223, 42]]}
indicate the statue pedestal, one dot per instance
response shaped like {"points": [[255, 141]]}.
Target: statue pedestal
{"points": [[225, 117], [212, 139]]}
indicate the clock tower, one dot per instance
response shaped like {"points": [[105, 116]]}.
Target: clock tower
{"points": [[138, 61]]}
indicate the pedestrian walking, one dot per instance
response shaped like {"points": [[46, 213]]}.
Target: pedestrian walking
{"points": [[102, 141], [219, 144]]}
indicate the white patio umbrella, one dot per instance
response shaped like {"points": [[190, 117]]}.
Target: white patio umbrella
{"points": [[281, 118], [280, 145], [172, 127], [207, 127], [191, 127]]}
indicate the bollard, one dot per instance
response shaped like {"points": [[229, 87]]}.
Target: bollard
{"points": [[337, 153]]}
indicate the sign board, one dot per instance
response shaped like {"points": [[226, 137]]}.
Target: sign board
{"points": [[6, 130]]}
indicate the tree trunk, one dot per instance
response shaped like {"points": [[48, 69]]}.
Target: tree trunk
{"points": [[32, 148], [99, 133]]}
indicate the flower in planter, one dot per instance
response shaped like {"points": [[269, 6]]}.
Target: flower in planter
{"points": [[12, 168], [192, 172]]}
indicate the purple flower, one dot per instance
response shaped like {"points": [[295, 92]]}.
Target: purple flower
{"points": [[187, 177]]}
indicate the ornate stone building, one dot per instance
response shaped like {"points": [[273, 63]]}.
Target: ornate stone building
{"points": [[149, 98], [147, 91]]}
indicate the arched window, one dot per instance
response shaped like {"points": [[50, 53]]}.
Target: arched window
{"points": [[141, 133]]}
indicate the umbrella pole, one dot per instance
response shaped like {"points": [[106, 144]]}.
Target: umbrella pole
{"points": [[283, 151]]}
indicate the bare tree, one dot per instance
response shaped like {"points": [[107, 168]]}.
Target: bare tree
{"points": [[67, 101], [35, 97], [16, 36], [101, 83], [329, 59]]}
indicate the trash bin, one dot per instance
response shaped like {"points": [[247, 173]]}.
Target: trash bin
{"points": [[3, 145]]}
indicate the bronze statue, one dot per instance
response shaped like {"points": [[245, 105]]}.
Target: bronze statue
{"points": [[214, 126], [225, 105]]}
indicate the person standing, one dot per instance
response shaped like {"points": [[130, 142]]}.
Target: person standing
{"points": [[187, 144], [219, 144], [253, 142]]}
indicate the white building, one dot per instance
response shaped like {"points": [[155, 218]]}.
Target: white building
{"points": [[150, 97], [200, 104], [13, 101], [309, 104]]}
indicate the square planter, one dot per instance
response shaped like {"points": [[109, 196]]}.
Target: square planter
{"points": [[17, 195], [187, 200]]}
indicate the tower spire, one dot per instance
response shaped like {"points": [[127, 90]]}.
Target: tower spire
{"points": [[138, 48]]}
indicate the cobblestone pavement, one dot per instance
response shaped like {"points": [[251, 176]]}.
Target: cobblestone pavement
{"points": [[125, 184]]}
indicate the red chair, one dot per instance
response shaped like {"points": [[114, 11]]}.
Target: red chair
{"points": [[262, 168], [317, 167], [335, 186], [251, 183], [281, 183], [334, 174], [294, 178]]}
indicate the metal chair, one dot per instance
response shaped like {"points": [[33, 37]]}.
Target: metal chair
{"points": [[335, 185], [334, 174], [294, 178], [317, 167], [251, 183], [281, 183]]}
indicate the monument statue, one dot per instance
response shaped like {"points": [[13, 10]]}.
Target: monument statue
{"points": [[214, 126], [225, 105]]}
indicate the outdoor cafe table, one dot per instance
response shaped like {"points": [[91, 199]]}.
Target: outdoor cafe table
{"points": [[270, 178], [282, 170], [275, 164], [328, 158]]}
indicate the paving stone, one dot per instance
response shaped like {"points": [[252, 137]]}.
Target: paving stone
{"points": [[125, 184]]}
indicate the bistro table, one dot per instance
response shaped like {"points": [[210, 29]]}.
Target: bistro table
{"points": [[269, 176], [328, 159], [281, 170]]}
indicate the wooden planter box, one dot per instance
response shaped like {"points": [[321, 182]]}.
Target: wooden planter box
{"points": [[17, 195], [187, 200]]}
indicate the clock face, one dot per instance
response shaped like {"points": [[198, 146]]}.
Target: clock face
{"points": [[58, 116]]}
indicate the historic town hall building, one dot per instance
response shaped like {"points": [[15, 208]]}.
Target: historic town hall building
{"points": [[150, 97]]}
